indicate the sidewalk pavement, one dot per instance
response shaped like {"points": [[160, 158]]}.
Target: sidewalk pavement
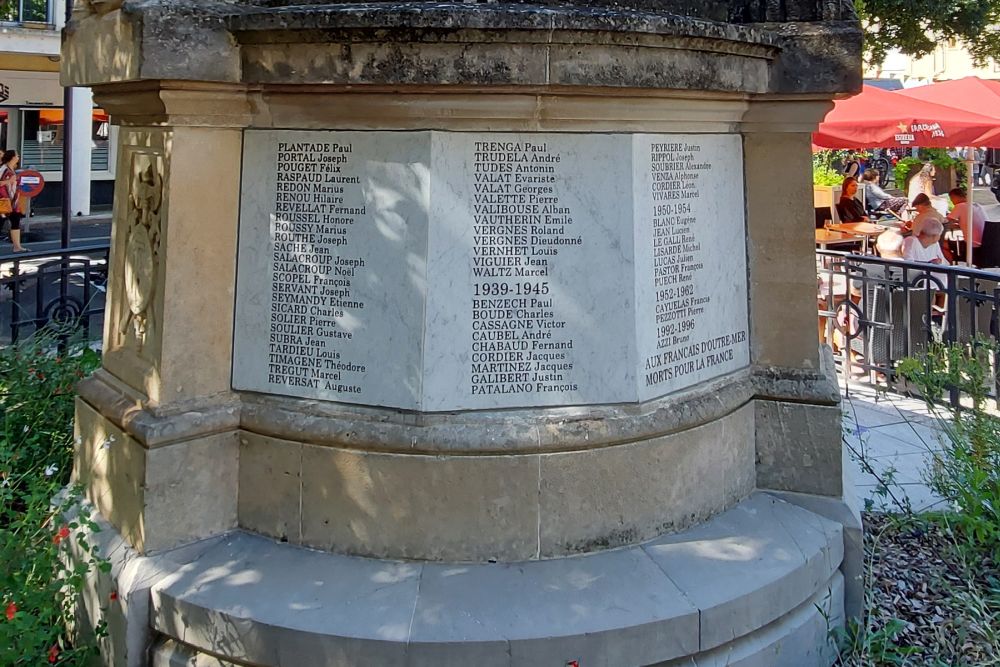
{"points": [[54, 220], [896, 432]]}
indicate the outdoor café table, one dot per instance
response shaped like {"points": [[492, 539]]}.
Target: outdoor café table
{"points": [[866, 230], [826, 237]]}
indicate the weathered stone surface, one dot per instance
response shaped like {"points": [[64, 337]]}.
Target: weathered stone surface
{"points": [[463, 508], [254, 601], [270, 488], [509, 507], [741, 46], [848, 515], [733, 11], [158, 498], [801, 639], [710, 563], [171, 653], [495, 431], [120, 597], [799, 448], [617, 608], [614, 496], [111, 466]]}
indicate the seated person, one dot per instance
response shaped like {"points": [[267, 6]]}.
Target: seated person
{"points": [[877, 198], [960, 200], [925, 246], [890, 244], [848, 208], [925, 213]]}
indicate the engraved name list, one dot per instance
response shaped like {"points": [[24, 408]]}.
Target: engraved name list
{"points": [[314, 264]]}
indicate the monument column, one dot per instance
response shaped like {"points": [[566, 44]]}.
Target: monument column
{"points": [[800, 451], [160, 416]]}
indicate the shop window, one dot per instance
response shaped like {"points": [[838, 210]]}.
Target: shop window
{"points": [[42, 139], [24, 11]]}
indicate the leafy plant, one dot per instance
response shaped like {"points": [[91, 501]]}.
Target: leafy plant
{"points": [[39, 585], [902, 170], [871, 641], [937, 156], [825, 166], [943, 162], [915, 27], [966, 471]]}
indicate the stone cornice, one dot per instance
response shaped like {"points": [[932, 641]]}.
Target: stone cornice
{"points": [[493, 44], [510, 431]]}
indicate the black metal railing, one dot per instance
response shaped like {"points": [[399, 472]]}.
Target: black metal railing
{"points": [[61, 290], [879, 311]]}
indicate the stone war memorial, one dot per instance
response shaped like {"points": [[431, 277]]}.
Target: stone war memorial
{"points": [[453, 334]]}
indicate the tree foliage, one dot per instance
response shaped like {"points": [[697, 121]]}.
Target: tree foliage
{"points": [[915, 27]]}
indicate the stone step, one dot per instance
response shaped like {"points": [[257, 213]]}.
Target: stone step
{"points": [[748, 584]]}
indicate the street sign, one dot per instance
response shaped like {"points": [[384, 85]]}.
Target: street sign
{"points": [[30, 182]]}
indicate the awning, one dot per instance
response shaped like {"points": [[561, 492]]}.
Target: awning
{"points": [[55, 116], [971, 94], [879, 119]]}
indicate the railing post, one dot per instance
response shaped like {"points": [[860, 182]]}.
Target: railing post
{"points": [[951, 328]]}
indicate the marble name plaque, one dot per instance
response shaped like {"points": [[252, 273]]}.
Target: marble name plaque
{"points": [[443, 271]]}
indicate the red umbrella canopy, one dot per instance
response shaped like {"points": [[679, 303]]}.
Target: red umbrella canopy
{"points": [[970, 94], [877, 118]]}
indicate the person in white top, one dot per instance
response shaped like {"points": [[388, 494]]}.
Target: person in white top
{"points": [[890, 244], [960, 199], [924, 246]]}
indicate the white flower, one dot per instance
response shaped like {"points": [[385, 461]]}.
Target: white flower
{"points": [[51, 470], [25, 429]]}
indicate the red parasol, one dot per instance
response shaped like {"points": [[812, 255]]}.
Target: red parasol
{"points": [[971, 94], [878, 118]]}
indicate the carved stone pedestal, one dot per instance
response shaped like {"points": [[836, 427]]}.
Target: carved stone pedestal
{"points": [[465, 334]]}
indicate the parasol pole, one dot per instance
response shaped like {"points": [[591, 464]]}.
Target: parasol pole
{"points": [[970, 185]]}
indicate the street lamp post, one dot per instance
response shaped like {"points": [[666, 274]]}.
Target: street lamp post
{"points": [[67, 169]]}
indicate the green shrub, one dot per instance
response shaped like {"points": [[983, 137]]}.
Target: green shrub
{"points": [[825, 170], [938, 157], [902, 170], [39, 587], [966, 471]]}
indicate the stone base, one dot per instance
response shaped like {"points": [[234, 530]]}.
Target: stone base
{"points": [[759, 584]]}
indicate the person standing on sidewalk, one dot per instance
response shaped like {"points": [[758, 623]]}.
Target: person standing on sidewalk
{"points": [[9, 191]]}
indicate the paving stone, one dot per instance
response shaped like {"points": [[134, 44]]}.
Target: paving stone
{"points": [[871, 414], [879, 444], [919, 437]]}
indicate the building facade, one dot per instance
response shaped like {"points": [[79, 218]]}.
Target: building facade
{"points": [[32, 119], [949, 60]]}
